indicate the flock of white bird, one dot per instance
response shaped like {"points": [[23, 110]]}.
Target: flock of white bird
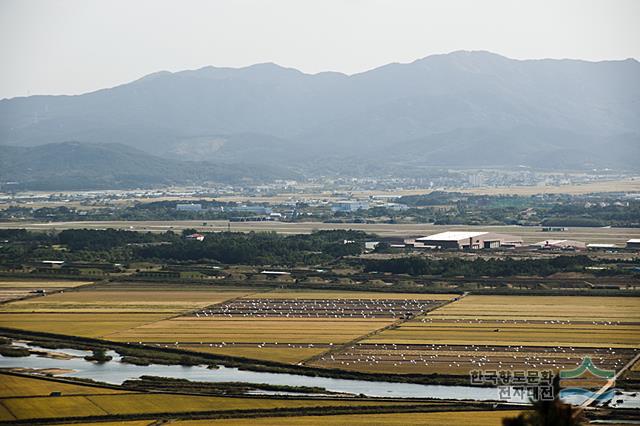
{"points": [[318, 308], [477, 356]]}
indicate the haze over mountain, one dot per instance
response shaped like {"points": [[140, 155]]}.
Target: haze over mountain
{"points": [[463, 109], [74, 165]]}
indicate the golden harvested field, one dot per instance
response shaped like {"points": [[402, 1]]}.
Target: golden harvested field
{"points": [[288, 294], [124, 423], [46, 284], [622, 185], [579, 308], [100, 311], [502, 332], [51, 407], [187, 330], [84, 324], [292, 325], [148, 301], [5, 414], [28, 398], [498, 332], [461, 359], [525, 320], [152, 314], [279, 353], [10, 290], [96, 405], [512, 332], [461, 418], [12, 386]]}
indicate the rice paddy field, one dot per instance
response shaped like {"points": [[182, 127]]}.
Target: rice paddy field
{"points": [[501, 332], [338, 295], [12, 386], [158, 301], [282, 326], [86, 324], [394, 333], [17, 289], [101, 405], [99, 311], [24, 398], [476, 418]]}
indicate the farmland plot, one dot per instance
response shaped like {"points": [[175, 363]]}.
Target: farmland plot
{"points": [[502, 332]]}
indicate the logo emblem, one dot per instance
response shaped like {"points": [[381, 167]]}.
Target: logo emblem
{"points": [[586, 382]]}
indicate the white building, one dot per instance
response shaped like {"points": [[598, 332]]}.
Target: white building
{"points": [[634, 244], [196, 237], [464, 240], [349, 206], [189, 207], [561, 245]]}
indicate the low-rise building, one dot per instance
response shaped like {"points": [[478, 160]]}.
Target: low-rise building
{"points": [[189, 207], [261, 210], [463, 240], [633, 244], [371, 245], [349, 206], [196, 237], [602, 246], [555, 229], [561, 245]]}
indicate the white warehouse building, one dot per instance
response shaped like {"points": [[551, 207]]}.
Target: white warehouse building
{"points": [[462, 240]]}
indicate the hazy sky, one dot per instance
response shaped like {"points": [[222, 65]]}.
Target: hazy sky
{"points": [[75, 46]]}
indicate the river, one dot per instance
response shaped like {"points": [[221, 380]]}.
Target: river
{"points": [[116, 372]]}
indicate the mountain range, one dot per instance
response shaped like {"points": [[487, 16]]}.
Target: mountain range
{"points": [[462, 109]]}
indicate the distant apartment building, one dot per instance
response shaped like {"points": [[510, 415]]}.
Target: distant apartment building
{"points": [[189, 207], [349, 206], [476, 179]]}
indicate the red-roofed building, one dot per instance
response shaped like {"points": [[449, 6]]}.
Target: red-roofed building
{"points": [[197, 237]]}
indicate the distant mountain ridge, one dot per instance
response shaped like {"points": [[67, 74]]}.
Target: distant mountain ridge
{"points": [[79, 166], [463, 109]]}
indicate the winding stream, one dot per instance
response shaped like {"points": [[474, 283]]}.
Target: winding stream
{"points": [[116, 372]]}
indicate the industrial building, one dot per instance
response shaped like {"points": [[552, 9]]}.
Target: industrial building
{"points": [[633, 244], [461, 240], [349, 206], [555, 229], [253, 209], [602, 246], [561, 245]]}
